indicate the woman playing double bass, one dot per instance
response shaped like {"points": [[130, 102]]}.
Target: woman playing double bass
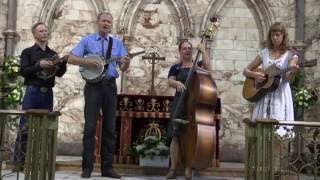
{"points": [[176, 78]]}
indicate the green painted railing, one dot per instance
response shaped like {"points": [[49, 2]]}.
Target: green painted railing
{"points": [[42, 127], [294, 155]]}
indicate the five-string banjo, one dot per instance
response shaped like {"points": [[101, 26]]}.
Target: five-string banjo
{"points": [[96, 74]]}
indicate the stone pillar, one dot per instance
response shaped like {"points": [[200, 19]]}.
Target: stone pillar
{"points": [[300, 21], [10, 34], [3, 19], [300, 46]]}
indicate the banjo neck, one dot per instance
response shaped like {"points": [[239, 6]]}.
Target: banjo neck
{"points": [[130, 55]]}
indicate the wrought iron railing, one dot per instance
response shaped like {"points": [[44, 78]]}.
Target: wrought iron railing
{"points": [[38, 149], [281, 150]]}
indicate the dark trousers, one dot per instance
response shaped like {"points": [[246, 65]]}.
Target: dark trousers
{"points": [[102, 95], [35, 98]]}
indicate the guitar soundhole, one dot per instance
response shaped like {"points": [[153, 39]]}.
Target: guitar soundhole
{"points": [[260, 84]]}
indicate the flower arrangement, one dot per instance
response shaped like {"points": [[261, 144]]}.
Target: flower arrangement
{"points": [[305, 97], [11, 83], [151, 147]]}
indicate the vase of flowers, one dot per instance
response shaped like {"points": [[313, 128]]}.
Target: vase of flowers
{"points": [[153, 152]]}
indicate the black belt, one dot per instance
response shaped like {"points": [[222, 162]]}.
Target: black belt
{"points": [[107, 80], [42, 89]]}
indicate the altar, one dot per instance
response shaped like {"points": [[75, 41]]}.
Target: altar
{"points": [[135, 112]]}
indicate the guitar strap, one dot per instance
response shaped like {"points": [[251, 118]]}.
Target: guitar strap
{"points": [[108, 53]]}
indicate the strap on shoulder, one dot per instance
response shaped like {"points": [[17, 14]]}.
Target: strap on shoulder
{"points": [[108, 54]]}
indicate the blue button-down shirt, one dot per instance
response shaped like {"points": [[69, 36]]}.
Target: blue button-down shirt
{"points": [[92, 44]]}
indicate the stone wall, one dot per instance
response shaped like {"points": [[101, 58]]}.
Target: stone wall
{"points": [[3, 24], [236, 44], [312, 40], [159, 23]]}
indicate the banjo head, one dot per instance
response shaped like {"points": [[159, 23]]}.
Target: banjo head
{"points": [[92, 73]]}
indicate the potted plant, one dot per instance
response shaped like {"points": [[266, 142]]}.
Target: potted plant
{"points": [[152, 151]]}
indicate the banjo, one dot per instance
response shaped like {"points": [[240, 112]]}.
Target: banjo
{"points": [[96, 74]]}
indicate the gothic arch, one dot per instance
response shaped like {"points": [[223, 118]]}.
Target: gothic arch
{"points": [[49, 7], [131, 7], [262, 14]]}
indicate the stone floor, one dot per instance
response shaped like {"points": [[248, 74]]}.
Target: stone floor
{"points": [[131, 173], [60, 175]]}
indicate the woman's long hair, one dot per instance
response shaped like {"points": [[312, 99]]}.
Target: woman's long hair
{"points": [[279, 27]]}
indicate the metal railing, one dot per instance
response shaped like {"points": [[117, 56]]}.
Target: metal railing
{"points": [[281, 150], [38, 149]]}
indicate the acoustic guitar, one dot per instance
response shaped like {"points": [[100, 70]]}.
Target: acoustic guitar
{"points": [[254, 91]]}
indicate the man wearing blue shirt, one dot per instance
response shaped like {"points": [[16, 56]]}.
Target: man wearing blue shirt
{"points": [[101, 94]]}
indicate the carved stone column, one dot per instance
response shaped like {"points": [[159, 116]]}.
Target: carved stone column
{"points": [[10, 34]]}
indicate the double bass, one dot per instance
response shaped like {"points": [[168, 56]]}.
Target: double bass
{"points": [[197, 140]]}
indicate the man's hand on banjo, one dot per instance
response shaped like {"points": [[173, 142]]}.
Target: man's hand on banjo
{"points": [[94, 63], [125, 62], [125, 59]]}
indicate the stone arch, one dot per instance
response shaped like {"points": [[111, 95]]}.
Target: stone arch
{"points": [[130, 11], [262, 14], [49, 7]]}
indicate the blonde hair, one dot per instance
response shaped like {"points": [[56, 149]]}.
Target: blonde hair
{"points": [[279, 27], [34, 27], [103, 13]]}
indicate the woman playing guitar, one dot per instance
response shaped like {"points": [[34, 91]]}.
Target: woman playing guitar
{"points": [[275, 104]]}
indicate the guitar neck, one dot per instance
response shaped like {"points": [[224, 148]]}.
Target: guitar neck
{"points": [[310, 63], [282, 71], [57, 61]]}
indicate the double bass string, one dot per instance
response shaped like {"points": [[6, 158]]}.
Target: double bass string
{"points": [[207, 33]]}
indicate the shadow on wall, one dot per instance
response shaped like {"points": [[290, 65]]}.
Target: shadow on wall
{"points": [[231, 153], [69, 148]]}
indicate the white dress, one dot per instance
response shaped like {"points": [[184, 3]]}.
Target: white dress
{"points": [[277, 104]]}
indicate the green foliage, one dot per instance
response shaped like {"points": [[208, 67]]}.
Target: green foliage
{"points": [[150, 147], [11, 83], [132, 150], [305, 97], [298, 79]]}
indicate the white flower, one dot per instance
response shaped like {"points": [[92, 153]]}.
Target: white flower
{"points": [[153, 138], [140, 147], [162, 146]]}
